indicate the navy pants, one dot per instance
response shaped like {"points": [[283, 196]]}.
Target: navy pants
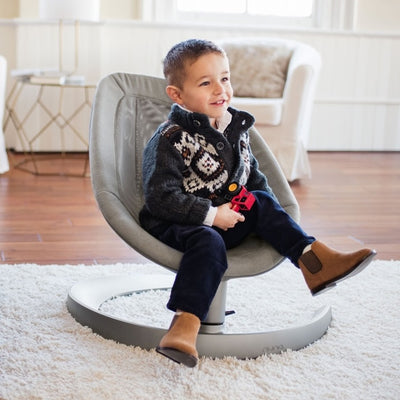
{"points": [[204, 260]]}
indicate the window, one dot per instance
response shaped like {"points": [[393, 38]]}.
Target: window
{"points": [[244, 12], [282, 8], [323, 14], [248, 12]]}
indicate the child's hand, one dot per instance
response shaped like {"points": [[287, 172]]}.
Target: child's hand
{"points": [[227, 218]]}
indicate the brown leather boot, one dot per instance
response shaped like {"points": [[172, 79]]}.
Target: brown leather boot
{"points": [[179, 343], [323, 267]]}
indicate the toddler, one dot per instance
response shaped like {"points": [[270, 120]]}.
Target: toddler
{"points": [[190, 165]]}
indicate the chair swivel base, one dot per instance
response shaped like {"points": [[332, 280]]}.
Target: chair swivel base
{"points": [[86, 297]]}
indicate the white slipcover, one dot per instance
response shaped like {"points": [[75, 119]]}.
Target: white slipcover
{"points": [[4, 166], [284, 122]]}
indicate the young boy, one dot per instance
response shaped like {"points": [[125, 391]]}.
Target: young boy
{"points": [[189, 165]]}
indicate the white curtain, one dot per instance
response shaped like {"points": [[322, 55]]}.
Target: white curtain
{"points": [[4, 166]]}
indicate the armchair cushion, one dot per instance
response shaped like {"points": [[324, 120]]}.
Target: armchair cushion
{"points": [[265, 75], [265, 111]]}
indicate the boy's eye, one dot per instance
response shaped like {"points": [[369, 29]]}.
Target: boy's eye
{"points": [[205, 83], [225, 79]]}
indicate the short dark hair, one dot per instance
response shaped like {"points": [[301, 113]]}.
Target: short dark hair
{"points": [[182, 53]]}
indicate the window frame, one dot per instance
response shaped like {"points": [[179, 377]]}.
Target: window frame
{"points": [[327, 15], [247, 19]]}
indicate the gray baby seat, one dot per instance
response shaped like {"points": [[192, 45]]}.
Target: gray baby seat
{"points": [[127, 109]]}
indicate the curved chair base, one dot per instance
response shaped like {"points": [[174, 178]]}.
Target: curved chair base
{"points": [[85, 298]]}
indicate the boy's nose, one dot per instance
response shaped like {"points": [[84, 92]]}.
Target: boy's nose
{"points": [[218, 88]]}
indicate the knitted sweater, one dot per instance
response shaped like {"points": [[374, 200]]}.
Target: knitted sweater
{"points": [[188, 165]]}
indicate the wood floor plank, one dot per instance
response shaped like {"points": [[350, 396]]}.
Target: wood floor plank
{"points": [[351, 201]]}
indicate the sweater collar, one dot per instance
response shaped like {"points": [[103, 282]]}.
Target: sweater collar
{"points": [[193, 121]]}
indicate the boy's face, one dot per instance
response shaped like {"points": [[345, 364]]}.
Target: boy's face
{"points": [[206, 88]]}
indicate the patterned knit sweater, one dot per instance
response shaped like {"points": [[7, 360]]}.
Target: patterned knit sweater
{"points": [[188, 165]]}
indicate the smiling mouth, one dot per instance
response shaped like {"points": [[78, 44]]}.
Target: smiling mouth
{"points": [[219, 103]]}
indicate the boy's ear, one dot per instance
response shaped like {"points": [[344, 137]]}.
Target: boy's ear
{"points": [[174, 93]]}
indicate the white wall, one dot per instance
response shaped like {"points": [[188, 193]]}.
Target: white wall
{"points": [[111, 9], [357, 103], [378, 15]]}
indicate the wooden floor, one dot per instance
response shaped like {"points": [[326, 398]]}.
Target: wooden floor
{"points": [[352, 200]]}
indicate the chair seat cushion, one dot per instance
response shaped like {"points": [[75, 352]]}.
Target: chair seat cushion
{"points": [[265, 111]]}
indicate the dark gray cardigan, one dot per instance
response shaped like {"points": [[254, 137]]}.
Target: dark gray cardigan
{"points": [[187, 166]]}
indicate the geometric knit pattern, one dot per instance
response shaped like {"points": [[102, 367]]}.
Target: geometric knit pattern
{"points": [[206, 169]]}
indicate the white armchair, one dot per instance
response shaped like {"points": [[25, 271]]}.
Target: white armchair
{"points": [[275, 80], [3, 154]]}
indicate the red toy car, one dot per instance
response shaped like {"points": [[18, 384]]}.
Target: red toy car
{"points": [[244, 200]]}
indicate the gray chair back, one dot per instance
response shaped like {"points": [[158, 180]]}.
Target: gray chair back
{"points": [[127, 109]]}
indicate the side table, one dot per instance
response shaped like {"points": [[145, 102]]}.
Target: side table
{"points": [[60, 118]]}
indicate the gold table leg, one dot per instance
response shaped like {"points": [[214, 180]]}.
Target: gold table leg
{"points": [[58, 118]]}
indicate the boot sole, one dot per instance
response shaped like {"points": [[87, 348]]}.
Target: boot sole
{"points": [[357, 269], [178, 356]]}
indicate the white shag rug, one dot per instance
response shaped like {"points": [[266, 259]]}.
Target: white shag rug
{"points": [[46, 354]]}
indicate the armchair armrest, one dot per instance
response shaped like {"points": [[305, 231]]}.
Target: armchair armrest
{"points": [[3, 77], [4, 165], [299, 91], [304, 62]]}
